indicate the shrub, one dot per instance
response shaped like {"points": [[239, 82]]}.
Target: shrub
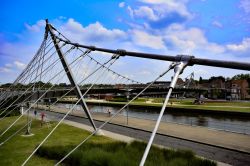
{"points": [[121, 154]]}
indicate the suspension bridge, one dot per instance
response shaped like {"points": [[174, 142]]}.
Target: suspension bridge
{"points": [[86, 70]]}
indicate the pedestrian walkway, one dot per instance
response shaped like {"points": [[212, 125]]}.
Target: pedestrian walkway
{"points": [[118, 136], [200, 134]]}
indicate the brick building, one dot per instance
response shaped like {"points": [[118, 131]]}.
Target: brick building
{"points": [[239, 90]]}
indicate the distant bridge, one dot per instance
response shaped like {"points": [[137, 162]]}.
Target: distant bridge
{"points": [[115, 92]]}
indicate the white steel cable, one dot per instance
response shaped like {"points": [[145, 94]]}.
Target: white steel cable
{"points": [[15, 133], [37, 99], [51, 65], [83, 55], [33, 79], [178, 69], [60, 121], [112, 117], [51, 105]]}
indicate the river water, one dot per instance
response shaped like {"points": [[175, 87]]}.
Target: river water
{"points": [[217, 122]]}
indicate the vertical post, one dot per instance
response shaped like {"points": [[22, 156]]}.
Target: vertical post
{"points": [[127, 96], [70, 75], [127, 106], [21, 109], [178, 69], [28, 120]]}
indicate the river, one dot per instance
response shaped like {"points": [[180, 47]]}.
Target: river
{"points": [[217, 122]]}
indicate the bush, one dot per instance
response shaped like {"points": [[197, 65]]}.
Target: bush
{"points": [[13, 113], [121, 154], [119, 99]]}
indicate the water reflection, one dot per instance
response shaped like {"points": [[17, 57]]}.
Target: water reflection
{"points": [[201, 121], [219, 122]]}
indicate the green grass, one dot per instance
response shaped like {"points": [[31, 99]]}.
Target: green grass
{"points": [[13, 113], [98, 150], [122, 154], [231, 106], [214, 106], [188, 103], [204, 107], [17, 149]]}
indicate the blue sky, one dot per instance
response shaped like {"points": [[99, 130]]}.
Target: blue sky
{"points": [[204, 28]]}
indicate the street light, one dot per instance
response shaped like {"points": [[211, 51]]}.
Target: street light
{"points": [[127, 92]]}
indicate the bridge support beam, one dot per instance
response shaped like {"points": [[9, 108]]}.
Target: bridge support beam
{"points": [[70, 75], [178, 69]]}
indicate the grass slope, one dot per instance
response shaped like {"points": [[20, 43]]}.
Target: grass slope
{"points": [[188, 103], [98, 150], [122, 154]]}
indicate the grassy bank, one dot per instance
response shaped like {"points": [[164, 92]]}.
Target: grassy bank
{"points": [[122, 154], [6, 113], [98, 150], [17, 149], [209, 105], [187, 104]]}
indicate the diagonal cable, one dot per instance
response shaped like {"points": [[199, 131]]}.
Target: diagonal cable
{"points": [[112, 117], [51, 65], [62, 119], [37, 99]]}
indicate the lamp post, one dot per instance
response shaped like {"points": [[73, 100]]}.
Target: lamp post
{"points": [[28, 132], [127, 93], [127, 106]]}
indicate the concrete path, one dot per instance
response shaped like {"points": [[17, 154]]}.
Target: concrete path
{"points": [[195, 133], [118, 136], [221, 146], [104, 132]]}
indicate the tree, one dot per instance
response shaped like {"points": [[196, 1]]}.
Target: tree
{"points": [[6, 85], [242, 77], [219, 77], [200, 80]]}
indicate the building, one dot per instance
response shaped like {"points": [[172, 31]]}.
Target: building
{"points": [[239, 90], [215, 86]]}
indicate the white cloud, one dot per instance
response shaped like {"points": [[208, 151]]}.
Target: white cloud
{"points": [[245, 5], [160, 14], [217, 24], [144, 39], [5, 70], [19, 64], [73, 26], [215, 48], [95, 32], [145, 12], [121, 4], [62, 17], [242, 47], [36, 27], [189, 40], [130, 11], [8, 65], [168, 6]]}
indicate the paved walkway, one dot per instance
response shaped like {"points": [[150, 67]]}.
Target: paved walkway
{"points": [[116, 136], [229, 140], [103, 132], [125, 133]]}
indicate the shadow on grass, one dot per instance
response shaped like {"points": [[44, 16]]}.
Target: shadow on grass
{"points": [[121, 154]]}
